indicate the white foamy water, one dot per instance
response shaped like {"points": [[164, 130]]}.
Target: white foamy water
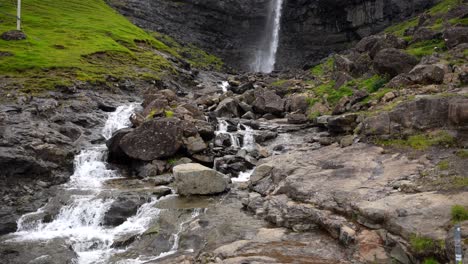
{"points": [[248, 144], [81, 220], [265, 57], [118, 120], [224, 86]]}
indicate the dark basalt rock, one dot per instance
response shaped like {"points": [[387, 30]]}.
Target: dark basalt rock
{"points": [[233, 29], [154, 139], [393, 62]]}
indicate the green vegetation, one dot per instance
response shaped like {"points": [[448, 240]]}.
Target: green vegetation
{"points": [[421, 141], [459, 213], [172, 161], [323, 68], [462, 153], [197, 57], [443, 165], [421, 244], [444, 6], [169, 114], [399, 29], [373, 84], [430, 261], [83, 40], [279, 83], [424, 48], [460, 182], [333, 95]]}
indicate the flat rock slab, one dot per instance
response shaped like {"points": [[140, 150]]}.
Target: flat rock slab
{"points": [[196, 179]]}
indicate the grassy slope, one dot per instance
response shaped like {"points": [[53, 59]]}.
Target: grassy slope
{"points": [[82, 39]]}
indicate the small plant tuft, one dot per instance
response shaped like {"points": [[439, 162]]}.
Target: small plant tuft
{"points": [[459, 213]]}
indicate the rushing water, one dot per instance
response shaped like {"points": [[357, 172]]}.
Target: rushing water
{"points": [[265, 56], [248, 143], [81, 220]]}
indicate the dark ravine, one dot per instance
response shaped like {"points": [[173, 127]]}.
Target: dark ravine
{"points": [[232, 29]]}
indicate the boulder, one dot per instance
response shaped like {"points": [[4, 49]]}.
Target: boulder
{"points": [[115, 152], [196, 179], [195, 144], [125, 206], [242, 88], [154, 139], [427, 74], [228, 108], [297, 103], [455, 35], [387, 42], [13, 35], [267, 101], [343, 123], [223, 140], [423, 34], [205, 129], [458, 112], [366, 44], [297, 118], [393, 62]]}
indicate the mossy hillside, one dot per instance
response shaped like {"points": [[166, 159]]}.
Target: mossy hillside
{"points": [[422, 141], [78, 39]]}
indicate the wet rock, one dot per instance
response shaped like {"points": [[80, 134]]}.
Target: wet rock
{"points": [[264, 135], [234, 165], [205, 129], [455, 35], [249, 115], [155, 168], [106, 107], [154, 139], [228, 108], [427, 74], [394, 62], [125, 206], [116, 153], [245, 107], [242, 88], [18, 164], [195, 179], [53, 251], [223, 140], [13, 35], [267, 101]]}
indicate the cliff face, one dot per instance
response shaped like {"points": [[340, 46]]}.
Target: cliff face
{"points": [[311, 29], [231, 29]]}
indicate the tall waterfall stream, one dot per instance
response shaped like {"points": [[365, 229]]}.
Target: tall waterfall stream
{"points": [[265, 57]]}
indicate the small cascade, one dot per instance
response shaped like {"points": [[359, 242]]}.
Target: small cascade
{"points": [[265, 56], [223, 129], [81, 220], [224, 86]]}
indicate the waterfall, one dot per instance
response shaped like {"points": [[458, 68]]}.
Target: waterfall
{"points": [[265, 56]]}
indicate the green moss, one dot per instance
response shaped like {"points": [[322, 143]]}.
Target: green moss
{"points": [[333, 95], [422, 244], [430, 261], [312, 101], [459, 21], [372, 84], [425, 48], [172, 161], [444, 6], [462, 153], [169, 114], [421, 141], [460, 182], [323, 68], [459, 213], [443, 165], [196, 56], [154, 230], [314, 115], [279, 83], [399, 29]]}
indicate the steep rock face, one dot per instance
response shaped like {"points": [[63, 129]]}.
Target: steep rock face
{"points": [[232, 29], [227, 28], [312, 29]]}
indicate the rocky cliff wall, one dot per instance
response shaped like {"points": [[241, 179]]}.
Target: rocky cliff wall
{"points": [[231, 29]]}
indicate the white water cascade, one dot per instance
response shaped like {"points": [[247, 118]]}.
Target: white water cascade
{"points": [[265, 56], [80, 220]]}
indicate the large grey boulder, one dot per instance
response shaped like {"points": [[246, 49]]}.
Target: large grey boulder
{"points": [[196, 179], [228, 108], [393, 62], [154, 139], [427, 74], [267, 101]]}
